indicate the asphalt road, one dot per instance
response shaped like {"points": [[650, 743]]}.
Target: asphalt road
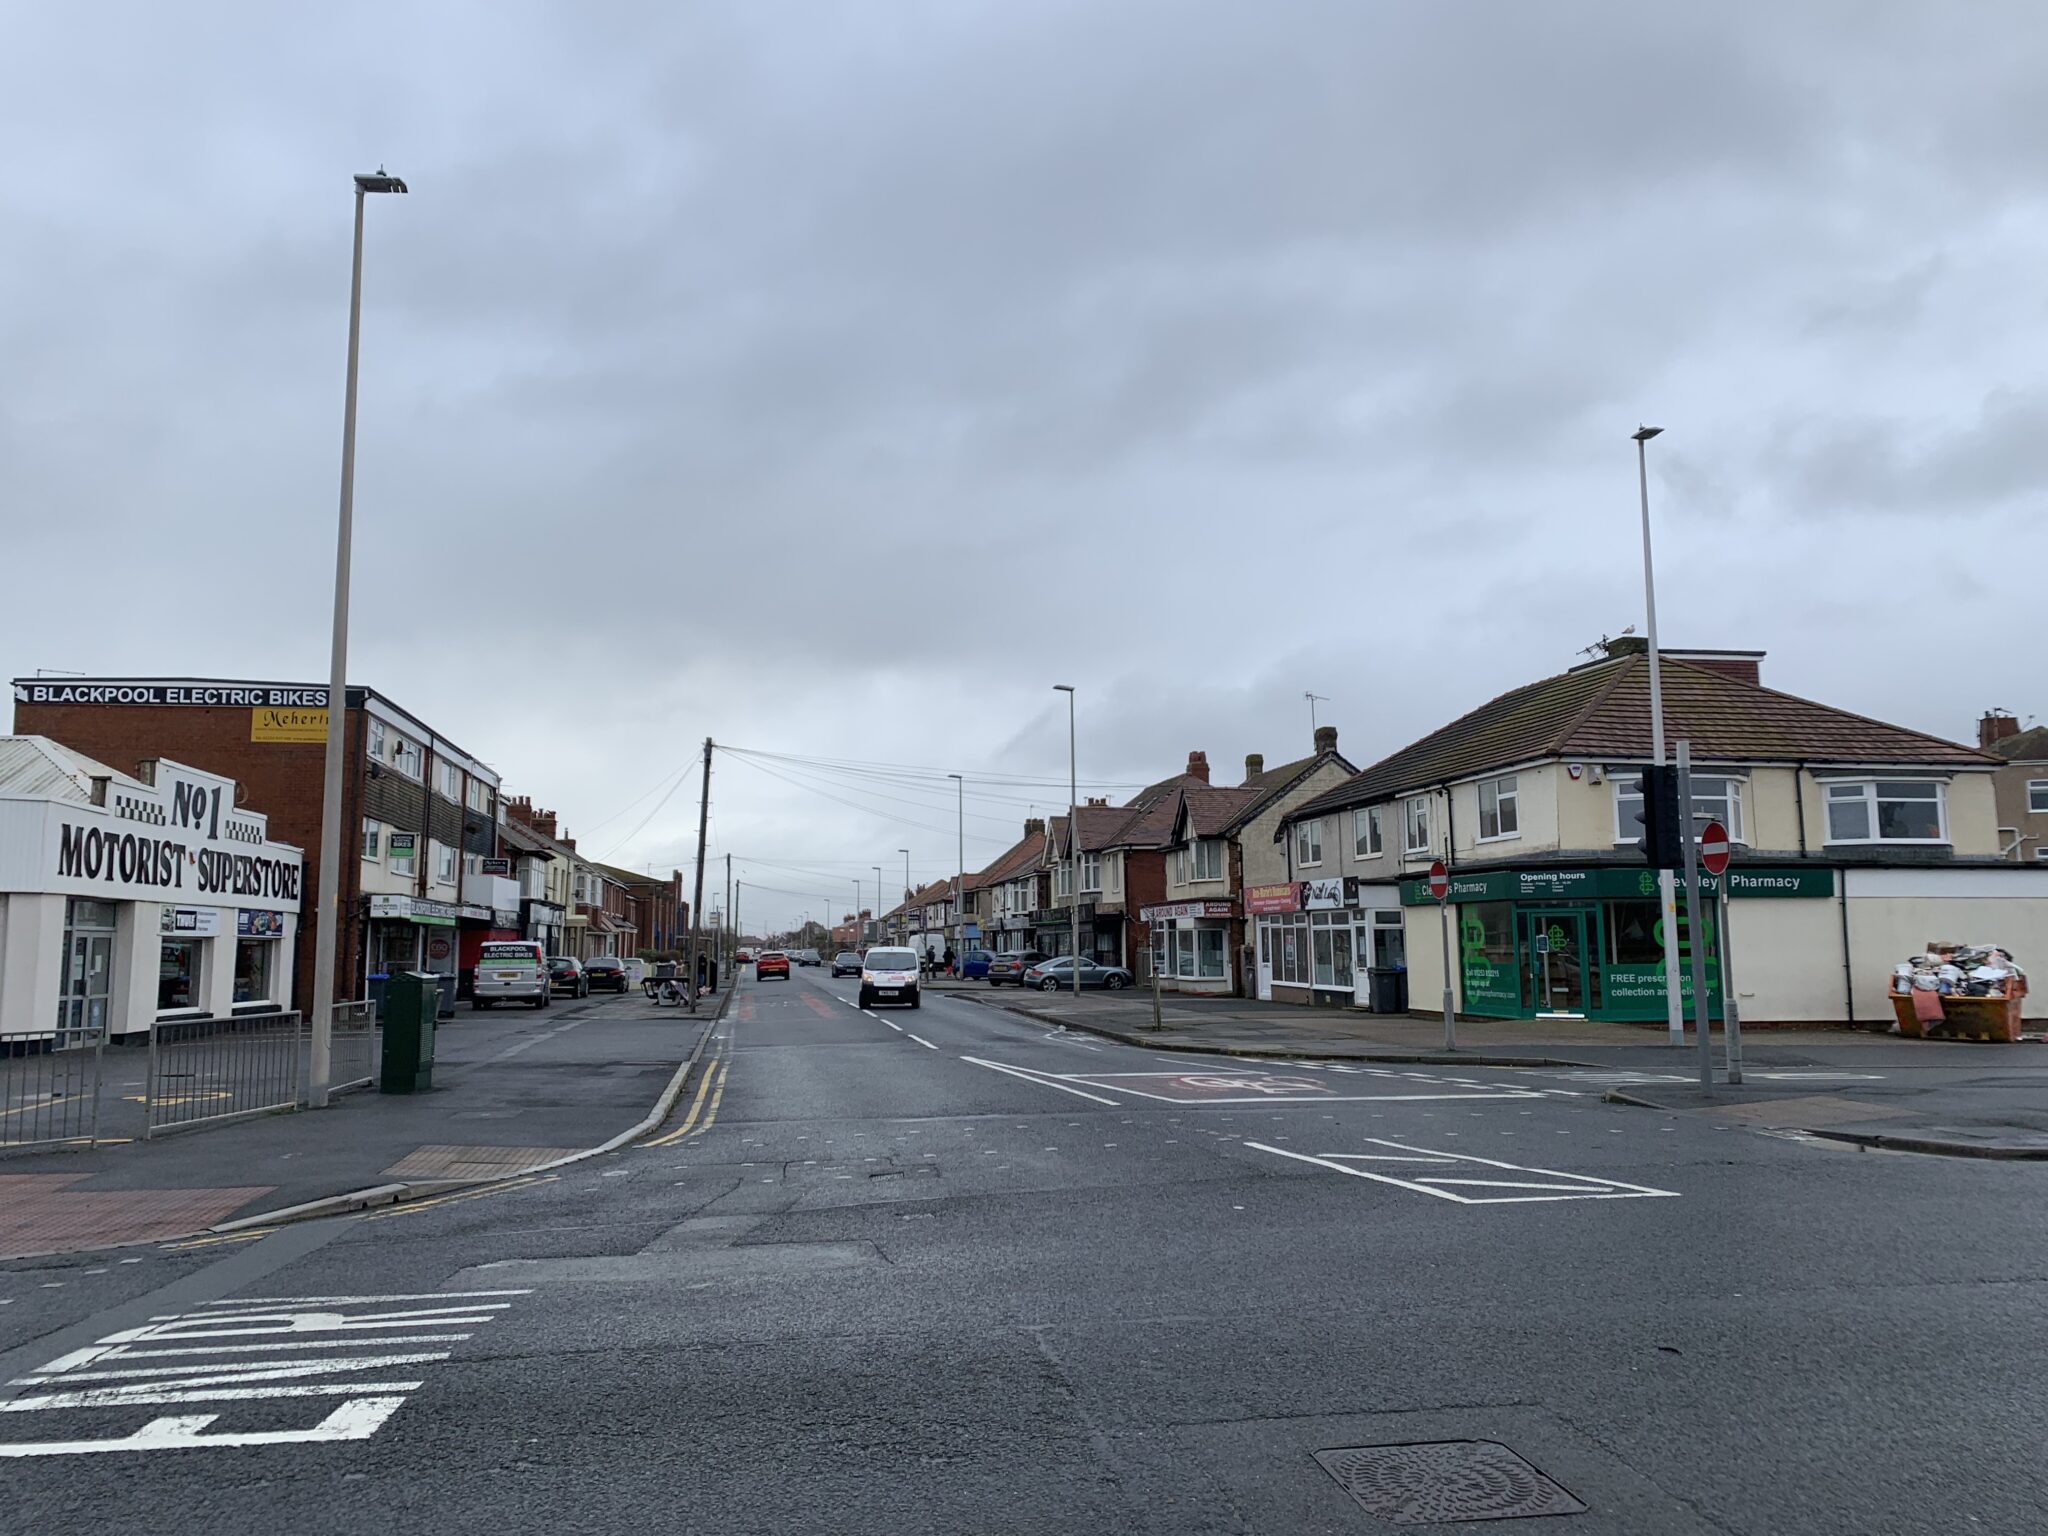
{"points": [[946, 1270]]}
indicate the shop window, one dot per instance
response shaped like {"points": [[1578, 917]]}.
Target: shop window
{"points": [[1887, 811], [373, 840], [1330, 937], [1499, 817], [1365, 833], [1632, 934], [1389, 941], [1209, 859], [177, 976], [254, 965], [1209, 945], [1308, 843], [1415, 825], [1714, 798]]}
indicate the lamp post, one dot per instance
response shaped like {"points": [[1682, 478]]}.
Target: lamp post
{"points": [[903, 924], [878, 902], [1073, 841], [1667, 894], [960, 880], [328, 930]]}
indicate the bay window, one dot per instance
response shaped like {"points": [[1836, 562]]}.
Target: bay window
{"points": [[1498, 814], [1887, 811]]}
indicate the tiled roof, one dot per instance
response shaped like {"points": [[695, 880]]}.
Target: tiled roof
{"points": [[1019, 860], [1151, 825], [1152, 794], [1603, 711], [1212, 811], [1275, 782], [1100, 824], [2027, 747]]}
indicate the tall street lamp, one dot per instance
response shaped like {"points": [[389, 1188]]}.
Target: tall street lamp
{"points": [[328, 929], [1667, 891], [960, 880], [904, 925], [878, 902], [1073, 841]]}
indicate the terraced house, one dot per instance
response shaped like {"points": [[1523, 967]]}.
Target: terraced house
{"points": [[1856, 844]]}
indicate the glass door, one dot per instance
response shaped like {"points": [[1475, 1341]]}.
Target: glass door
{"points": [[1554, 960], [88, 972]]}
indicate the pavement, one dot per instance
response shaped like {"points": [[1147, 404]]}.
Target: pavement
{"points": [[511, 1091], [955, 1269]]}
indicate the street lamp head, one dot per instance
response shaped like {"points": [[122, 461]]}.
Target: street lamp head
{"points": [[1644, 434], [1062, 687], [380, 183]]}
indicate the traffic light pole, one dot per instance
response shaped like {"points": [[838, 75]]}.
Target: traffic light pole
{"points": [[1695, 932]]}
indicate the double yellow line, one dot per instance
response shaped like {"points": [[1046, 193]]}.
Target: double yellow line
{"points": [[713, 1084]]}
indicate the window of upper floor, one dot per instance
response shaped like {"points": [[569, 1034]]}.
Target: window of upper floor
{"points": [[1715, 797], [1062, 880], [2037, 796], [408, 757], [1366, 839], [1499, 810], [1091, 873], [1415, 825], [448, 781], [399, 850], [373, 841], [480, 797], [1201, 859], [374, 737], [1308, 843], [444, 864], [585, 887], [1887, 811]]}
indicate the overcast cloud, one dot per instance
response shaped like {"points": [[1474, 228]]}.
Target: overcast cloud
{"points": [[833, 379]]}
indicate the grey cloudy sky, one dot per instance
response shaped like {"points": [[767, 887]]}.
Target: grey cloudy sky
{"points": [[833, 379]]}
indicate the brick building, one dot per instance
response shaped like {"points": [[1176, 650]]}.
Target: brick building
{"points": [[423, 812]]}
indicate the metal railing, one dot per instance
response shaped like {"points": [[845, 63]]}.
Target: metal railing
{"points": [[50, 1089], [353, 1051], [202, 1071]]}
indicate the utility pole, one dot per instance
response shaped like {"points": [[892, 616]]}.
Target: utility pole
{"points": [[725, 933], [960, 880], [1073, 841], [1667, 890], [697, 900]]}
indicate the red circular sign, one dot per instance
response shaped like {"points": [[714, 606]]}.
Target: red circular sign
{"points": [[1439, 880], [1713, 848]]}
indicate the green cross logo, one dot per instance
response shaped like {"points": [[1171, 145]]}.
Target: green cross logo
{"points": [[1556, 937], [1646, 883]]}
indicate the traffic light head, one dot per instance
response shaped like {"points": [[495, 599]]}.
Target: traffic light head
{"points": [[1661, 844]]}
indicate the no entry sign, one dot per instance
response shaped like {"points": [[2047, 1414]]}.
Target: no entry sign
{"points": [[1440, 879], [1713, 848]]}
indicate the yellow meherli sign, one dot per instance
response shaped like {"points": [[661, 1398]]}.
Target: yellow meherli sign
{"points": [[287, 725]]}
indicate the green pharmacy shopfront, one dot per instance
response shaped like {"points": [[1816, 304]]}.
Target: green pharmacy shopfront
{"points": [[1585, 941]]}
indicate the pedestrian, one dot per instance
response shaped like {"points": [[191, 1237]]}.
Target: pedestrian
{"points": [[703, 971], [951, 958], [931, 960]]}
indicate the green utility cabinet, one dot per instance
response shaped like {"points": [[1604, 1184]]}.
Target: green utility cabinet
{"points": [[411, 1000]]}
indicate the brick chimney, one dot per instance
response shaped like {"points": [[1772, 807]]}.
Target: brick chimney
{"points": [[1092, 800], [521, 810], [1035, 827], [1198, 766], [1995, 727], [1326, 738], [1254, 765], [1743, 666]]}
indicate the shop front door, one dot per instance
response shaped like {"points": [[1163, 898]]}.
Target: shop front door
{"points": [[1267, 939], [1554, 960]]}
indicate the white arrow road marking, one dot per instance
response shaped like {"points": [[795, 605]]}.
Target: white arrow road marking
{"points": [[1044, 1082], [263, 1370], [1561, 1186]]}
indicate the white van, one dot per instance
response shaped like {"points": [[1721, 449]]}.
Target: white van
{"points": [[511, 971], [888, 975]]}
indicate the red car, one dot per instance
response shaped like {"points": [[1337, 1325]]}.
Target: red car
{"points": [[773, 962]]}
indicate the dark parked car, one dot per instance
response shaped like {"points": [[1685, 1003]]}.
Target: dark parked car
{"points": [[1011, 968], [565, 974], [1053, 975], [606, 971], [846, 963], [974, 964]]}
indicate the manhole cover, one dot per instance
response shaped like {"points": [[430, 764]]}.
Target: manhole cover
{"points": [[1443, 1481]]}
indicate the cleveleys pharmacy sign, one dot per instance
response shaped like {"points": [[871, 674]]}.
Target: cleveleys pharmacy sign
{"points": [[1589, 884]]}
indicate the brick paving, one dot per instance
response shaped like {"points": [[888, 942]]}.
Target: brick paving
{"points": [[41, 1213]]}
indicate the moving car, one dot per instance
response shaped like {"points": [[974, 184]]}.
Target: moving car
{"points": [[565, 974], [845, 963], [510, 971], [889, 976], [743, 957], [606, 971], [808, 957], [1053, 975], [1011, 968], [773, 962]]}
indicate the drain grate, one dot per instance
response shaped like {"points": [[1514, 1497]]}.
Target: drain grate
{"points": [[1442, 1481]]}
